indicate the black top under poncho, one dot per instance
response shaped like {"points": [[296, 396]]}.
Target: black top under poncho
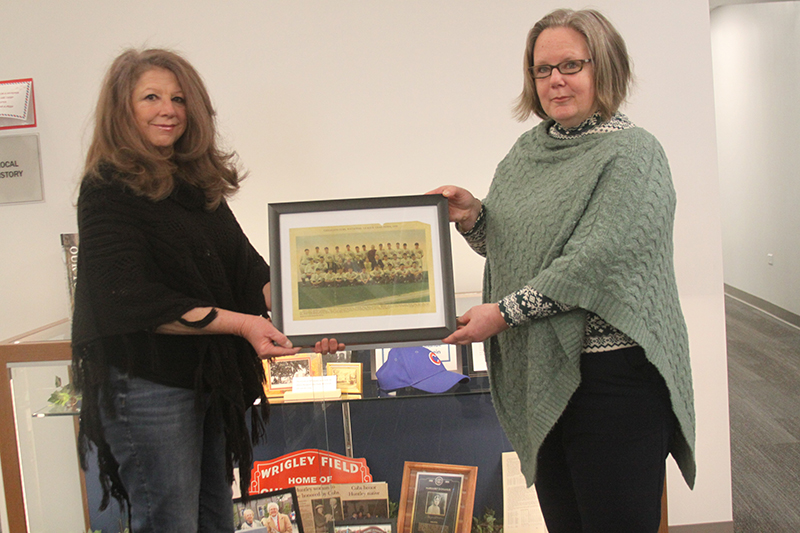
{"points": [[145, 263]]}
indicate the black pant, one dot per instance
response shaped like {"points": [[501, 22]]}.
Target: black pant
{"points": [[601, 469]]}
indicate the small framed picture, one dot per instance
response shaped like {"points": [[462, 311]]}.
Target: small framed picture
{"points": [[364, 525], [477, 360], [348, 376], [282, 370], [436, 497], [275, 511], [370, 271]]}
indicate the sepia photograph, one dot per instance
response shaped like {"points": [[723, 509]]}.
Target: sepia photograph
{"points": [[348, 376], [388, 273]]}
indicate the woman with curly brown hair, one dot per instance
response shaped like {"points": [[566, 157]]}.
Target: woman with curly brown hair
{"points": [[170, 321]]}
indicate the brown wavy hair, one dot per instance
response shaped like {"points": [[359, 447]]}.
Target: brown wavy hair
{"points": [[613, 71], [146, 169]]}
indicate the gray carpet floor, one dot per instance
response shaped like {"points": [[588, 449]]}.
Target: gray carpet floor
{"points": [[764, 388]]}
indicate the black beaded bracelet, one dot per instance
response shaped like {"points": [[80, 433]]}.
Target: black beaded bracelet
{"points": [[203, 322]]}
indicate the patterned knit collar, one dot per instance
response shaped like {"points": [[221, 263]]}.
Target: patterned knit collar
{"points": [[590, 126]]}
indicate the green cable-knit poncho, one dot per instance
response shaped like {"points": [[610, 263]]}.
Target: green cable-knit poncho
{"points": [[586, 222]]}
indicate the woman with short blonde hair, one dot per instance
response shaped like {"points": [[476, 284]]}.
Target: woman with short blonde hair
{"points": [[613, 72], [586, 343]]}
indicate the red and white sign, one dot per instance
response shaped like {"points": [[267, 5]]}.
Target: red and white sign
{"points": [[307, 467], [17, 105]]}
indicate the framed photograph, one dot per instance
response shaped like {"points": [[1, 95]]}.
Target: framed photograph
{"points": [[477, 360], [279, 507], [282, 370], [364, 525], [348, 376], [370, 271], [436, 497]]}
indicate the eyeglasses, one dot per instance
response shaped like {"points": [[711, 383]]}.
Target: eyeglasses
{"points": [[570, 66]]}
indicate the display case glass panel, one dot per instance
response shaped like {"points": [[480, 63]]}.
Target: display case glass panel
{"points": [[42, 481]]}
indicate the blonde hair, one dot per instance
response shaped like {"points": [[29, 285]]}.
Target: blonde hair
{"points": [[146, 169], [613, 72]]}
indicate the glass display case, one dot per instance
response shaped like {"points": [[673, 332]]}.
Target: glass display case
{"points": [[44, 485], [42, 480], [45, 490]]}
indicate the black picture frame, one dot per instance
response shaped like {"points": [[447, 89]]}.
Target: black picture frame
{"points": [[285, 498], [436, 501], [407, 294], [475, 355]]}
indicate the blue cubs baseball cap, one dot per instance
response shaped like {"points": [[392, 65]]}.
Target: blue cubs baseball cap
{"points": [[416, 367]]}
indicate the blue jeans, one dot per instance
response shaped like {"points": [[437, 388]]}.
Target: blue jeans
{"points": [[171, 456]]}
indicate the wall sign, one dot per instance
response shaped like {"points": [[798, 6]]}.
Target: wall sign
{"points": [[20, 169], [17, 106]]}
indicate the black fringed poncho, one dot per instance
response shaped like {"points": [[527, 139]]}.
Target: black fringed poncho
{"points": [[145, 263]]}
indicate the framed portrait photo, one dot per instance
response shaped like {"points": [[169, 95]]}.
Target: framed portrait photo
{"points": [[436, 497], [348, 376], [268, 511], [281, 371], [369, 271]]}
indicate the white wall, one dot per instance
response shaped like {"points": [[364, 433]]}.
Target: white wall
{"points": [[756, 51], [359, 98]]}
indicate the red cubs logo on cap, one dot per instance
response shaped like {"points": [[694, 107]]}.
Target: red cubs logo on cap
{"points": [[434, 358]]}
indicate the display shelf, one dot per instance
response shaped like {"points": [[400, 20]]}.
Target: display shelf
{"points": [[56, 410]]}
